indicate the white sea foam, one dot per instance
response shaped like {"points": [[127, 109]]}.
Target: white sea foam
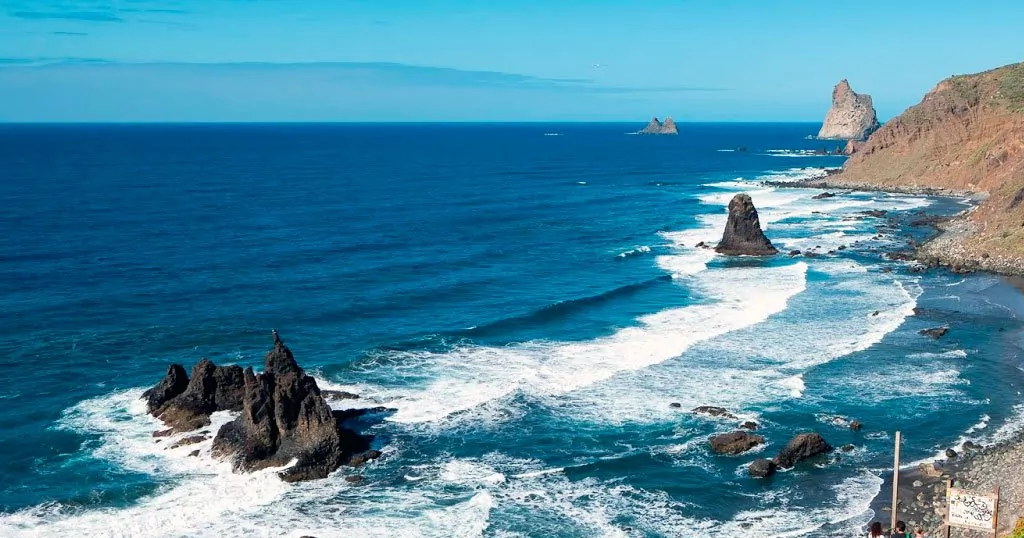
{"points": [[635, 251], [468, 376], [953, 354], [203, 498]]}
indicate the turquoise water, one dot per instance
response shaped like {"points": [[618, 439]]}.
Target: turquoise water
{"points": [[528, 305]]}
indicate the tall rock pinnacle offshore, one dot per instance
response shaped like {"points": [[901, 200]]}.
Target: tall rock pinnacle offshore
{"points": [[743, 235], [852, 116]]}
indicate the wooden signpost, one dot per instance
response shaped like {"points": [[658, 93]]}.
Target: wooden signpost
{"points": [[971, 510], [895, 481]]}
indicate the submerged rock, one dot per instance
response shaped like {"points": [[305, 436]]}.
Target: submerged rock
{"points": [[743, 235], [935, 333], [802, 447], [284, 417], [713, 411], [852, 115], [823, 195], [734, 443], [761, 468]]}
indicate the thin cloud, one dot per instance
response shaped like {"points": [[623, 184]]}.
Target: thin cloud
{"points": [[90, 16], [393, 75], [69, 33]]}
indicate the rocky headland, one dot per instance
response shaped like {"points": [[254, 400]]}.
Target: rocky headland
{"points": [[656, 127], [283, 416], [965, 139], [743, 235], [851, 117]]}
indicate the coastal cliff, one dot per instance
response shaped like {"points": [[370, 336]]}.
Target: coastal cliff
{"points": [[655, 127], [965, 137], [851, 117]]}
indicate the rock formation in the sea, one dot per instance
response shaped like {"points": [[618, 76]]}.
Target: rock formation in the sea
{"points": [[185, 404], [935, 333], [761, 468], [734, 443], [284, 417], [658, 128], [852, 116], [743, 235], [801, 447], [963, 137]]}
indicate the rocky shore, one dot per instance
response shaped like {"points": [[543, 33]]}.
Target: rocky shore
{"points": [[923, 488], [954, 244]]}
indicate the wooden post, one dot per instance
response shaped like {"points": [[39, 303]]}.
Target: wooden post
{"points": [[895, 483], [949, 486], [995, 516]]}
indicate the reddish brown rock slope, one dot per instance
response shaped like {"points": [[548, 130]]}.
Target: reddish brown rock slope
{"points": [[966, 135]]}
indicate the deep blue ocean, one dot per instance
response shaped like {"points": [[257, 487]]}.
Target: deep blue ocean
{"points": [[526, 298]]}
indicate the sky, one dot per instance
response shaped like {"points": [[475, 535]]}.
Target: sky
{"points": [[485, 60]]}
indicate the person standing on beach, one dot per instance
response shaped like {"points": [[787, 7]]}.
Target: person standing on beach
{"points": [[900, 531], [875, 530]]}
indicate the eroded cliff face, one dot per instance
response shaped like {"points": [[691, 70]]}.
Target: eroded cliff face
{"points": [[966, 135], [852, 115]]}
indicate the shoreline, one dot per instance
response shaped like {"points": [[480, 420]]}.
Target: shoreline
{"points": [[950, 247], [922, 486]]}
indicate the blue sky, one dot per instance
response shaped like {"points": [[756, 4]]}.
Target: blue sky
{"points": [[484, 60]]}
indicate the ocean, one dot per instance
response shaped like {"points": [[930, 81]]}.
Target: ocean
{"points": [[526, 299]]}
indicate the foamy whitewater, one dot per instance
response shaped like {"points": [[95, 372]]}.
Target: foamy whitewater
{"points": [[541, 367]]}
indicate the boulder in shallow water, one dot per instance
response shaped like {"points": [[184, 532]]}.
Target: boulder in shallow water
{"points": [[802, 447], [284, 417], [734, 443], [761, 468], [823, 195], [950, 453], [713, 411], [743, 235]]}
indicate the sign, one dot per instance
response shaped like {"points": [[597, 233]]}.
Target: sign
{"points": [[972, 510]]}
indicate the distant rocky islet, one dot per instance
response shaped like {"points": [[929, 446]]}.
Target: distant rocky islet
{"points": [[657, 127]]}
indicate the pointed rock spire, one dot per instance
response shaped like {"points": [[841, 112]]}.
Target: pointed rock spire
{"points": [[743, 235]]}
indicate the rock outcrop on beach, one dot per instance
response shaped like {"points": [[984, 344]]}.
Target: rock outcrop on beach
{"points": [[283, 416], [743, 235], [965, 136], [656, 127], [802, 447], [851, 117]]}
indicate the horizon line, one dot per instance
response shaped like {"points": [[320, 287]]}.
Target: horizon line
{"points": [[401, 122]]}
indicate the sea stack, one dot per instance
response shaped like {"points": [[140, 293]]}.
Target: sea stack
{"points": [[283, 416], [852, 116], [743, 235], [658, 128]]}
